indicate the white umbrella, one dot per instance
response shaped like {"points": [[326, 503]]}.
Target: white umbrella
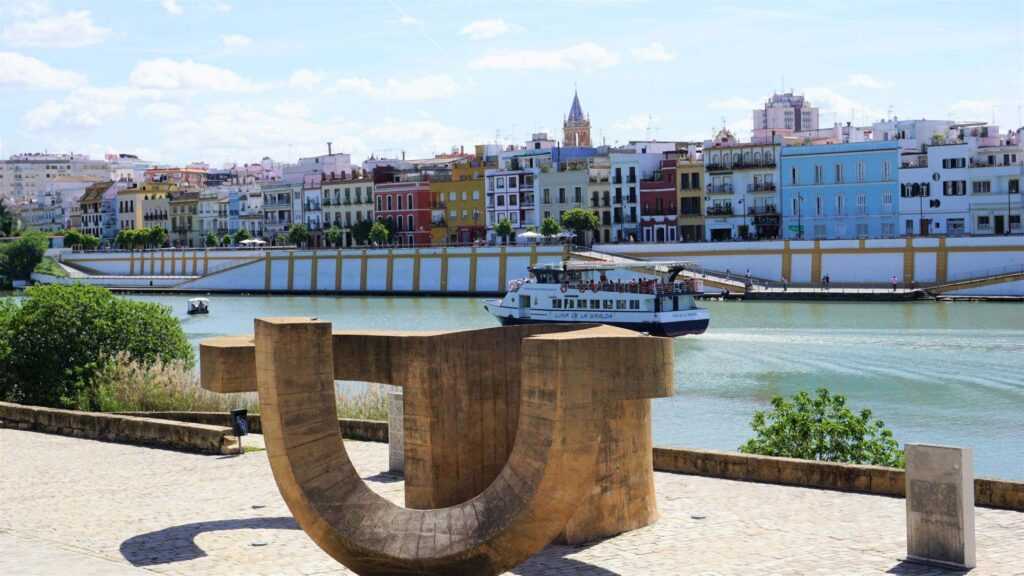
{"points": [[529, 234], [252, 242]]}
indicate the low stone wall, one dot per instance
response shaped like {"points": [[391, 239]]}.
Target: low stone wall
{"points": [[879, 480], [148, 431], [366, 430]]}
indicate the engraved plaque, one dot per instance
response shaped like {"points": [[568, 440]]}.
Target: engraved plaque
{"points": [[940, 505]]}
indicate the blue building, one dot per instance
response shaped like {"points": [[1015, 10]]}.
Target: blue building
{"points": [[840, 190]]}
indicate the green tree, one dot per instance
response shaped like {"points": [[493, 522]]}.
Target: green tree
{"points": [[225, 240], [822, 428], [298, 235], [580, 220], [154, 237], [241, 236], [334, 236], [8, 223], [361, 231], [503, 229], [58, 337], [19, 258], [75, 239], [211, 240], [379, 233], [550, 227]]}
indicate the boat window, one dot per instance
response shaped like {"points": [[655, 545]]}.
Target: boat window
{"points": [[556, 303], [607, 304], [620, 304], [634, 304], [568, 304], [595, 304]]}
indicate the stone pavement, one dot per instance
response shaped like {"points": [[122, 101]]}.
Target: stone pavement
{"points": [[72, 506]]}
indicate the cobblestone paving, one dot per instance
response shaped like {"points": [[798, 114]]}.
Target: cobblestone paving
{"points": [[71, 506]]}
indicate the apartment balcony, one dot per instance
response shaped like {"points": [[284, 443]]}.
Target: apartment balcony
{"points": [[725, 210], [717, 167], [762, 187], [596, 180], [670, 211], [767, 210], [746, 165], [719, 188]]}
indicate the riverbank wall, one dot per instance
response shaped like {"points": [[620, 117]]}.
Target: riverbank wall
{"points": [[453, 271]]}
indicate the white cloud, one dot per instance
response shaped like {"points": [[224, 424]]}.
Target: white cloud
{"points": [[167, 74], [86, 107], [485, 29], [653, 52], [582, 56], [734, 103], [172, 7], [635, 122], [69, 30], [407, 20], [865, 81], [841, 107], [972, 109], [164, 110], [19, 70], [236, 40], [429, 87], [305, 79]]}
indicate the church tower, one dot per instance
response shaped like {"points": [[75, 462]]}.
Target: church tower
{"points": [[576, 127]]}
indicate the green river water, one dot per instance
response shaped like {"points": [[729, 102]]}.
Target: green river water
{"points": [[940, 373]]}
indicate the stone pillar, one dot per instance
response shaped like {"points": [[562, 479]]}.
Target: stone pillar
{"points": [[940, 505], [396, 432]]}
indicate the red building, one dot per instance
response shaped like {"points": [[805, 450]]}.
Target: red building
{"points": [[404, 198], [658, 203]]}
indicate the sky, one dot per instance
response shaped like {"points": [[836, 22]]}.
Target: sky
{"points": [[224, 81]]}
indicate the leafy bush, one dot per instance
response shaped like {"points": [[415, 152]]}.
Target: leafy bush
{"points": [[550, 227], [49, 266], [76, 239], [503, 229], [59, 337], [19, 258], [822, 428], [298, 235], [379, 234]]}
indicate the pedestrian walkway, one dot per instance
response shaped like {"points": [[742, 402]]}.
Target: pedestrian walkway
{"points": [[74, 506]]}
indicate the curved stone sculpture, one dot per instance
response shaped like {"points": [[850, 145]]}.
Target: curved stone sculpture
{"points": [[571, 384]]}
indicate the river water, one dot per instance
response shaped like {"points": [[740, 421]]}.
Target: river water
{"points": [[940, 373]]}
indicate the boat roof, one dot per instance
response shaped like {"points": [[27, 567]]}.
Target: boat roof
{"points": [[648, 265], [198, 300]]}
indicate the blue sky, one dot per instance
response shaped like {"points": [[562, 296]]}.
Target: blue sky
{"points": [[234, 80]]}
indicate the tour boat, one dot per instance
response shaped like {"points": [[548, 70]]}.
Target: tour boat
{"points": [[651, 297], [198, 306]]}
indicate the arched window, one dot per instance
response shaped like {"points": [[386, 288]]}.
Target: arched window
{"points": [[399, 201], [410, 202], [400, 222], [757, 157]]}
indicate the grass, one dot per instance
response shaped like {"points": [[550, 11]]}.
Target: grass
{"points": [[125, 385], [49, 266]]}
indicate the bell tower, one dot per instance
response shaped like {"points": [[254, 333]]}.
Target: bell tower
{"points": [[576, 127]]}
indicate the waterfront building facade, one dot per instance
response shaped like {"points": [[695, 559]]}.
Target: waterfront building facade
{"points": [[279, 199], [458, 211], [967, 184], [404, 200], [690, 192], [658, 198], [562, 186], [23, 177], [741, 192], [347, 201], [840, 191], [184, 207], [599, 192], [91, 209]]}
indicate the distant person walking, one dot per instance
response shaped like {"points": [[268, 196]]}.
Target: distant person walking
{"points": [[894, 280], [826, 281], [785, 284]]}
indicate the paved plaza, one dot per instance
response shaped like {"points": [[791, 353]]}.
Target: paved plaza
{"points": [[72, 506]]}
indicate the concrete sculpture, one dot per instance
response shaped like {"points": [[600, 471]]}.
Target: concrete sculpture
{"points": [[513, 436]]}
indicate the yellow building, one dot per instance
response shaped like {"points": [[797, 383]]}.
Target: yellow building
{"points": [[689, 189], [458, 204], [145, 206]]}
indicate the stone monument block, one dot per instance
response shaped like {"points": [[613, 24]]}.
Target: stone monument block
{"points": [[396, 432], [940, 505]]}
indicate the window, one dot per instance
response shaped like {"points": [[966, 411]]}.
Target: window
{"points": [[860, 171], [410, 206], [608, 304], [886, 170], [401, 222], [839, 173], [578, 195], [840, 200], [954, 188], [1014, 186], [862, 229], [513, 182], [888, 229], [561, 195], [513, 200], [547, 195], [887, 197], [984, 223], [501, 200], [981, 187], [452, 214], [695, 180], [595, 304], [819, 175], [500, 182], [820, 231], [954, 162], [464, 196], [451, 196], [818, 206], [796, 207], [476, 194], [569, 304], [389, 202], [399, 199], [862, 203], [556, 303], [684, 181]]}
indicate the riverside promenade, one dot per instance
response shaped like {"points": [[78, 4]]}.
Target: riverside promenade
{"points": [[73, 506]]}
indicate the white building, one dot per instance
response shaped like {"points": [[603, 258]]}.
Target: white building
{"points": [[782, 115], [967, 182], [128, 167], [741, 188], [24, 176], [51, 209]]}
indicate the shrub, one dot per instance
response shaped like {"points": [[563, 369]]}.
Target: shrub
{"points": [[49, 266], [822, 428], [59, 337]]}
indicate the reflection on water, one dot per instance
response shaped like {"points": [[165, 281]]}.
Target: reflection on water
{"points": [[946, 373]]}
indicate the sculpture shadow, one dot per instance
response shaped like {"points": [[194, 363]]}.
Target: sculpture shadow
{"points": [[554, 559], [908, 568], [177, 543]]}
